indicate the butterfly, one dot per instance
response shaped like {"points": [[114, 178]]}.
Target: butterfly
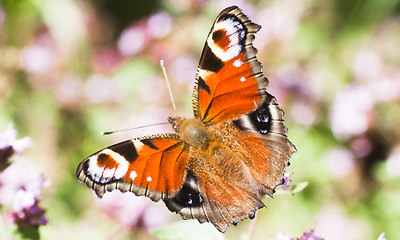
{"points": [[220, 164]]}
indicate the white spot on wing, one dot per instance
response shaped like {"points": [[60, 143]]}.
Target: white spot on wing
{"points": [[94, 171], [237, 63], [242, 79], [133, 175], [246, 124], [204, 74], [102, 175], [122, 166], [235, 33], [138, 144], [149, 179], [108, 172], [121, 170]]}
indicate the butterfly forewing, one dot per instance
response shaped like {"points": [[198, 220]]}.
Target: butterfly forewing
{"points": [[229, 81], [153, 166]]}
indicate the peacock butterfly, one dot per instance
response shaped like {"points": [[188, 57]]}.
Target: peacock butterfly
{"points": [[220, 164]]}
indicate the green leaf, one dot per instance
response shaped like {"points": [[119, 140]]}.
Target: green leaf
{"points": [[296, 188], [299, 187]]}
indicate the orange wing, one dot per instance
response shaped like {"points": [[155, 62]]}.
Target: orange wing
{"points": [[264, 146], [229, 81], [152, 166]]}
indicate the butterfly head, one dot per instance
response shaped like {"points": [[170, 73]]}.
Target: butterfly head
{"points": [[176, 122]]}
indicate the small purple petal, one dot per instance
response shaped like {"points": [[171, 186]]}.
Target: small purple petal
{"points": [[309, 236], [287, 181], [9, 138], [29, 216], [5, 154]]}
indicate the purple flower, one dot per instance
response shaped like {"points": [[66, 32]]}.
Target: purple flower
{"points": [[31, 215], [21, 188], [306, 236], [132, 40], [10, 144], [37, 58], [159, 25], [287, 181], [309, 236]]}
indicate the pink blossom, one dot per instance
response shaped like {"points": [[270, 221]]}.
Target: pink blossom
{"points": [[159, 25], [37, 58], [20, 188], [351, 111], [31, 215], [10, 144], [9, 138], [21, 184], [132, 41]]}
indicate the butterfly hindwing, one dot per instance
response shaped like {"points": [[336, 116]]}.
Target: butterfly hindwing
{"points": [[229, 81], [252, 156], [152, 166], [214, 200], [265, 148]]}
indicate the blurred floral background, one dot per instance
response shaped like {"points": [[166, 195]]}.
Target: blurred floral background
{"points": [[70, 69]]}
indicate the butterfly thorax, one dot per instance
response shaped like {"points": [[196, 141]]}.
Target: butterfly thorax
{"points": [[210, 155], [193, 132]]}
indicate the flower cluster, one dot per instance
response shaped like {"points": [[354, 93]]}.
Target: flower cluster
{"points": [[20, 183]]}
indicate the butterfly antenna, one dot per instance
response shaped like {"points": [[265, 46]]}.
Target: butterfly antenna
{"points": [[129, 129], [168, 85]]}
